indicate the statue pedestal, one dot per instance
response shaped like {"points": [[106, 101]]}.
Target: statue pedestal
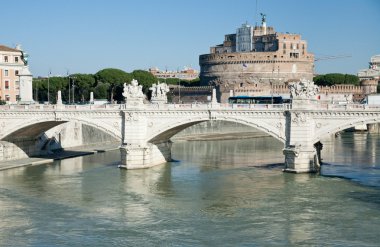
{"points": [[26, 90], [134, 96], [303, 103], [159, 101], [134, 102]]}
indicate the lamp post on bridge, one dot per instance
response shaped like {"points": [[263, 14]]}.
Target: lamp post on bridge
{"points": [[179, 86], [68, 77], [73, 89], [48, 94]]}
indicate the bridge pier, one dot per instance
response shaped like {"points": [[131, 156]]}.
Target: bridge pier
{"points": [[298, 160], [137, 156], [301, 154]]}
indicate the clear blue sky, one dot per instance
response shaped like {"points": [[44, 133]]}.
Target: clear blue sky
{"points": [[84, 36]]}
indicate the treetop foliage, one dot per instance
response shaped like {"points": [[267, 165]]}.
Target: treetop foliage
{"points": [[336, 78], [112, 76], [108, 84]]}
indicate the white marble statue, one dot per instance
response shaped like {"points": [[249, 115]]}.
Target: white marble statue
{"points": [[159, 91], [133, 90], [304, 89]]}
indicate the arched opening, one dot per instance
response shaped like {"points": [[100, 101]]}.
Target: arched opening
{"points": [[209, 136], [328, 137], [257, 125], [43, 138]]}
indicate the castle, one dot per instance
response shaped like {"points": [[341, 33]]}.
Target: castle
{"points": [[255, 58]]}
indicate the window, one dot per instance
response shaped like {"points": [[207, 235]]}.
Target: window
{"points": [[293, 55], [7, 97], [16, 59], [16, 72], [6, 72], [284, 46], [17, 85], [6, 59], [6, 85]]}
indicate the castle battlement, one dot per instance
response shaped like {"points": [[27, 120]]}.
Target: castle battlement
{"points": [[256, 55]]}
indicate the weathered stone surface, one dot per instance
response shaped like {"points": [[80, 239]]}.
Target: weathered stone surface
{"points": [[144, 131]]}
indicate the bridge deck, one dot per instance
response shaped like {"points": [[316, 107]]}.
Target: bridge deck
{"points": [[110, 107]]}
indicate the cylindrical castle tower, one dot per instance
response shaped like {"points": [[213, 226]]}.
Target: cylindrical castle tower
{"points": [[275, 59]]}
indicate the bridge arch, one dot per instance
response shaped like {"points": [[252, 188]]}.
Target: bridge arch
{"points": [[164, 134], [334, 128], [34, 127]]}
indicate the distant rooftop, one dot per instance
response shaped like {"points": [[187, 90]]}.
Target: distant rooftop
{"points": [[6, 48], [375, 59]]}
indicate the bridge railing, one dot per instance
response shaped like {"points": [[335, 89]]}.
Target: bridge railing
{"points": [[41, 107], [225, 106], [347, 107], [195, 106]]}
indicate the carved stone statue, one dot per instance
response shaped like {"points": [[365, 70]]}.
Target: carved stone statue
{"points": [[159, 91], [24, 57], [304, 89], [133, 90], [133, 93]]}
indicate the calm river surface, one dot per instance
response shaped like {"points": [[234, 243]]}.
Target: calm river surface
{"points": [[217, 193]]}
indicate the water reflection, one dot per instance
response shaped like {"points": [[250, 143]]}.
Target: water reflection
{"points": [[221, 154], [218, 193], [355, 157]]}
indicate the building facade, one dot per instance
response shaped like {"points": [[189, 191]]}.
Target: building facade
{"points": [[244, 36], [256, 57], [373, 71], [15, 77], [187, 73]]}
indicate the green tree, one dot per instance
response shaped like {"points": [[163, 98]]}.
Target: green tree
{"points": [[145, 78], [186, 83], [192, 83], [170, 81], [84, 84], [37, 88], [51, 85], [336, 78], [101, 91], [112, 77]]}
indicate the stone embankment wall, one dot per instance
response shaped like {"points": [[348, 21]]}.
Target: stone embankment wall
{"points": [[67, 135], [229, 69]]}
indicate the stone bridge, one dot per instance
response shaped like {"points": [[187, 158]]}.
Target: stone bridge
{"points": [[145, 129]]}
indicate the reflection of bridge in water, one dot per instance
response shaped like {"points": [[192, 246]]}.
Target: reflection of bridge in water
{"points": [[145, 129]]}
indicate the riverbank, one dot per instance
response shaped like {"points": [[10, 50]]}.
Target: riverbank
{"points": [[57, 155], [220, 136]]}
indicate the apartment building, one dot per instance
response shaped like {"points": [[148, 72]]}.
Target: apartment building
{"points": [[13, 69]]}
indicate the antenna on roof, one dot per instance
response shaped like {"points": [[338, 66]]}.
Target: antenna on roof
{"points": [[256, 14]]}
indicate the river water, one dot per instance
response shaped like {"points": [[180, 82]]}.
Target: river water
{"points": [[216, 193]]}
